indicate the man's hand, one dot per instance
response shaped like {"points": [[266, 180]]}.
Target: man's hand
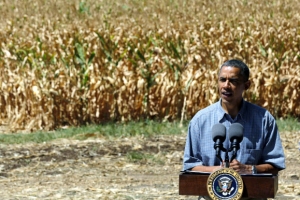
{"points": [[240, 168], [247, 169]]}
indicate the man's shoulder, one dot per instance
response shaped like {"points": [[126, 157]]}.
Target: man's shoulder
{"points": [[255, 109], [207, 111], [254, 106]]}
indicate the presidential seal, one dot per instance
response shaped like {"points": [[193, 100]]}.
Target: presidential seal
{"points": [[225, 184]]}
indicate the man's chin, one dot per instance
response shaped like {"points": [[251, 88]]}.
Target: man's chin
{"points": [[227, 99]]}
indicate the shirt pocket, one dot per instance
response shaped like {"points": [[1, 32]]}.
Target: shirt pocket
{"points": [[251, 156]]}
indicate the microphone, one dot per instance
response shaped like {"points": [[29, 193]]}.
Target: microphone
{"points": [[218, 136], [236, 131]]}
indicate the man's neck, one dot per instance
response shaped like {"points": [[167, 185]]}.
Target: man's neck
{"points": [[232, 109]]}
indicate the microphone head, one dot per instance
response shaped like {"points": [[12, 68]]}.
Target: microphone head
{"points": [[218, 132], [236, 131]]}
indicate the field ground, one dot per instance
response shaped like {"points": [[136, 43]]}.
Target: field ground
{"points": [[123, 168]]}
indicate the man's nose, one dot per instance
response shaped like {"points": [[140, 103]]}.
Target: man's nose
{"points": [[227, 84]]}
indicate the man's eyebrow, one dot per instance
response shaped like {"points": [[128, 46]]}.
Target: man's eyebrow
{"points": [[233, 78]]}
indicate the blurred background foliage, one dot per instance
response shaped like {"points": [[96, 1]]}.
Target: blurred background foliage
{"points": [[86, 62]]}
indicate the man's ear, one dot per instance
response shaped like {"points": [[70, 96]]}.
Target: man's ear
{"points": [[247, 85]]}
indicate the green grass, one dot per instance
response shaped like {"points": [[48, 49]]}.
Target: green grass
{"points": [[141, 157], [288, 124], [110, 130]]}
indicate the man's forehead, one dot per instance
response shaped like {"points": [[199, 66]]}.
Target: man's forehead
{"points": [[229, 70]]}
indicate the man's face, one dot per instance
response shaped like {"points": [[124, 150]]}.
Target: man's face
{"points": [[231, 85]]}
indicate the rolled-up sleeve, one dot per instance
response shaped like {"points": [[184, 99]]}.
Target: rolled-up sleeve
{"points": [[192, 151], [273, 152]]}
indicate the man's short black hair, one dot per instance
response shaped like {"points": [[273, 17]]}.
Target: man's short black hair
{"points": [[239, 64]]}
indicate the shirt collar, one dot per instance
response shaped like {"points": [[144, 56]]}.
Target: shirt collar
{"points": [[221, 113]]}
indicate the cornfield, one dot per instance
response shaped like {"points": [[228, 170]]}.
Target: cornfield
{"points": [[82, 62]]}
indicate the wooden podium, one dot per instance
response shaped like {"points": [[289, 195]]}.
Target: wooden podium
{"points": [[255, 186]]}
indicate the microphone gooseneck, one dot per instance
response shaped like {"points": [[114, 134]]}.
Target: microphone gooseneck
{"points": [[236, 131]]}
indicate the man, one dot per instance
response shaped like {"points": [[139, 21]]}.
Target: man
{"points": [[260, 150]]}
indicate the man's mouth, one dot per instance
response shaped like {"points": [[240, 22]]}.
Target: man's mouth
{"points": [[227, 94]]}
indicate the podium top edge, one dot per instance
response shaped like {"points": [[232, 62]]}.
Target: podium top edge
{"points": [[208, 173]]}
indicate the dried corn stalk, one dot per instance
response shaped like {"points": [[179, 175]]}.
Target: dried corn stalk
{"points": [[67, 63]]}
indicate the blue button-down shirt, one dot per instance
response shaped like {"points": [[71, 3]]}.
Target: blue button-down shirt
{"points": [[261, 142]]}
